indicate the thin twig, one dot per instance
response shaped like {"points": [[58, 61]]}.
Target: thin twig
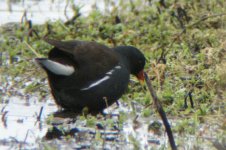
{"points": [[4, 119], [65, 9], [203, 18], [25, 139], [161, 113], [40, 114], [32, 49]]}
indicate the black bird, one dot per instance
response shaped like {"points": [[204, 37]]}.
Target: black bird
{"points": [[90, 75]]}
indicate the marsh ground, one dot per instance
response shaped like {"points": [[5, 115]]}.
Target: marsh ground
{"points": [[185, 46]]}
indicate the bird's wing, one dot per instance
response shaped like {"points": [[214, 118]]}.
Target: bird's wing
{"points": [[66, 46], [93, 59]]}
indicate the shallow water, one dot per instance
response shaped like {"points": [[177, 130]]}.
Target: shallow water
{"points": [[39, 11], [19, 124], [21, 128]]}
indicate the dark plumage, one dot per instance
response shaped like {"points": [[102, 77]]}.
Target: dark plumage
{"points": [[87, 74]]}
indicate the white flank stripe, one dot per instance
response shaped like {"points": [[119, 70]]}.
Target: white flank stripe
{"points": [[118, 67], [58, 68], [112, 70], [102, 79], [96, 83]]}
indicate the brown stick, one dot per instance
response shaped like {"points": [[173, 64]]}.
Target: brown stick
{"points": [[161, 112]]}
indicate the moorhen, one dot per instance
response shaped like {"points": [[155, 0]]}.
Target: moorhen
{"points": [[90, 75]]}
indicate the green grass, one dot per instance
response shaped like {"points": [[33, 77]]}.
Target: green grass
{"points": [[184, 39]]}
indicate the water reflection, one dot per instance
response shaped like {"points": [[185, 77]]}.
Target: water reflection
{"points": [[20, 121]]}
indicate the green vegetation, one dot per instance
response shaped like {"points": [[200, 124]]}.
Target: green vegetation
{"points": [[185, 46]]}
